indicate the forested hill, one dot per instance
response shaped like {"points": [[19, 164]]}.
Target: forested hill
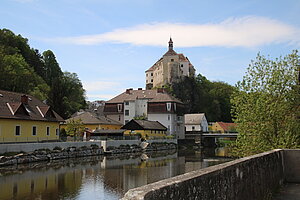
{"points": [[203, 96], [23, 69]]}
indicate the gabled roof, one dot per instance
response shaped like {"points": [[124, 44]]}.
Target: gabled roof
{"points": [[226, 126], [170, 52], [193, 119], [11, 107], [144, 125], [91, 118], [151, 95]]}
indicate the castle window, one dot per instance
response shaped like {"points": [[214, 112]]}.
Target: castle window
{"points": [[151, 80], [172, 60], [181, 65], [151, 74]]}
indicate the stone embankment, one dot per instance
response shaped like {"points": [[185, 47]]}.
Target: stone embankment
{"points": [[154, 146], [48, 155]]}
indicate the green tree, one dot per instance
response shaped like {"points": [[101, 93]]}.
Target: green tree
{"points": [[203, 96], [266, 106], [75, 128]]}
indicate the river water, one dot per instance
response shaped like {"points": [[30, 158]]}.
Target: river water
{"points": [[101, 177]]}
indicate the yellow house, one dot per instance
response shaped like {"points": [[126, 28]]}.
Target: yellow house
{"points": [[145, 128], [24, 118], [223, 127], [93, 122]]}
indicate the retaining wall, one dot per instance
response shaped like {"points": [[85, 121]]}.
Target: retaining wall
{"points": [[254, 177], [30, 147], [117, 143]]}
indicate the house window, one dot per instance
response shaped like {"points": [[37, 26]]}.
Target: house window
{"points": [[126, 103], [119, 117], [193, 128], [47, 130], [18, 130], [126, 112], [119, 107], [34, 130], [168, 106], [57, 132]]}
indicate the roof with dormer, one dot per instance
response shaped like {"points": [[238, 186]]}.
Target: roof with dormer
{"points": [[11, 107], [151, 95], [92, 118]]}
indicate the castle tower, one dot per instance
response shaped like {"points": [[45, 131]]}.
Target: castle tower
{"points": [[170, 44]]}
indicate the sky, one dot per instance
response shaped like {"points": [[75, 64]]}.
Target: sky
{"points": [[110, 44]]}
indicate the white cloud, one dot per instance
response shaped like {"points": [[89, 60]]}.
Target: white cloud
{"points": [[93, 97], [91, 86], [247, 31]]}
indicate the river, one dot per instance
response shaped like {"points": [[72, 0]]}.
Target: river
{"points": [[101, 177]]}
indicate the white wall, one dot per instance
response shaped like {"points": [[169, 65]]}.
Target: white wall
{"points": [[170, 121], [131, 108]]}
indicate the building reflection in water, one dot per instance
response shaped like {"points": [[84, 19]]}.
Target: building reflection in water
{"points": [[94, 177]]}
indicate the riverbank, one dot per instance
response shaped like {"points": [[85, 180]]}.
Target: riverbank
{"points": [[61, 150]]}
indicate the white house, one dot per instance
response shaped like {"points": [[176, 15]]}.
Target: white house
{"points": [[155, 105], [195, 122]]}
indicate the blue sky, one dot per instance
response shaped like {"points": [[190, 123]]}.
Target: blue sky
{"points": [[110, 43]]}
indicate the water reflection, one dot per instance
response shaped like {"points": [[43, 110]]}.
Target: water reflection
{"points": [[96, 177]]}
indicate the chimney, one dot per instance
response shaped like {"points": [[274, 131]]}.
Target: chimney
{"points": [[24, 99], [160, 90], [140, 88], [127, 91]]}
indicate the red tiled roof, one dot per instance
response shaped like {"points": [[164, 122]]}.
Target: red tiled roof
{"points": [[226, 126], [152, 95], [12, 108]]}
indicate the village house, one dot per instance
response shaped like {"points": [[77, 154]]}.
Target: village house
{"points": [[170, 68], [153, 105], [223, 127], [24, 118], [147, 129], [195, 122], [92, 121]]}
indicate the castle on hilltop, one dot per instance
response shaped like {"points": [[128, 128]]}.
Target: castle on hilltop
{"points": [[170, 68]]}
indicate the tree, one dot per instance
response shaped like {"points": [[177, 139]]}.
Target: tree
{"points": [[266, 106], [74, 128], [203, 96]]}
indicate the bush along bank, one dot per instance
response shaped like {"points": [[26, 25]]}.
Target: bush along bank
{"points": [[48, 155]]}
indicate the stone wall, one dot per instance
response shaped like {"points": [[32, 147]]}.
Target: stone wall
{"points": [[30, 147], [254, 177]]}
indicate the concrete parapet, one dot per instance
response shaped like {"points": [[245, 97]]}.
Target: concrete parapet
{"points": [[254, 177], [291, 163]]}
